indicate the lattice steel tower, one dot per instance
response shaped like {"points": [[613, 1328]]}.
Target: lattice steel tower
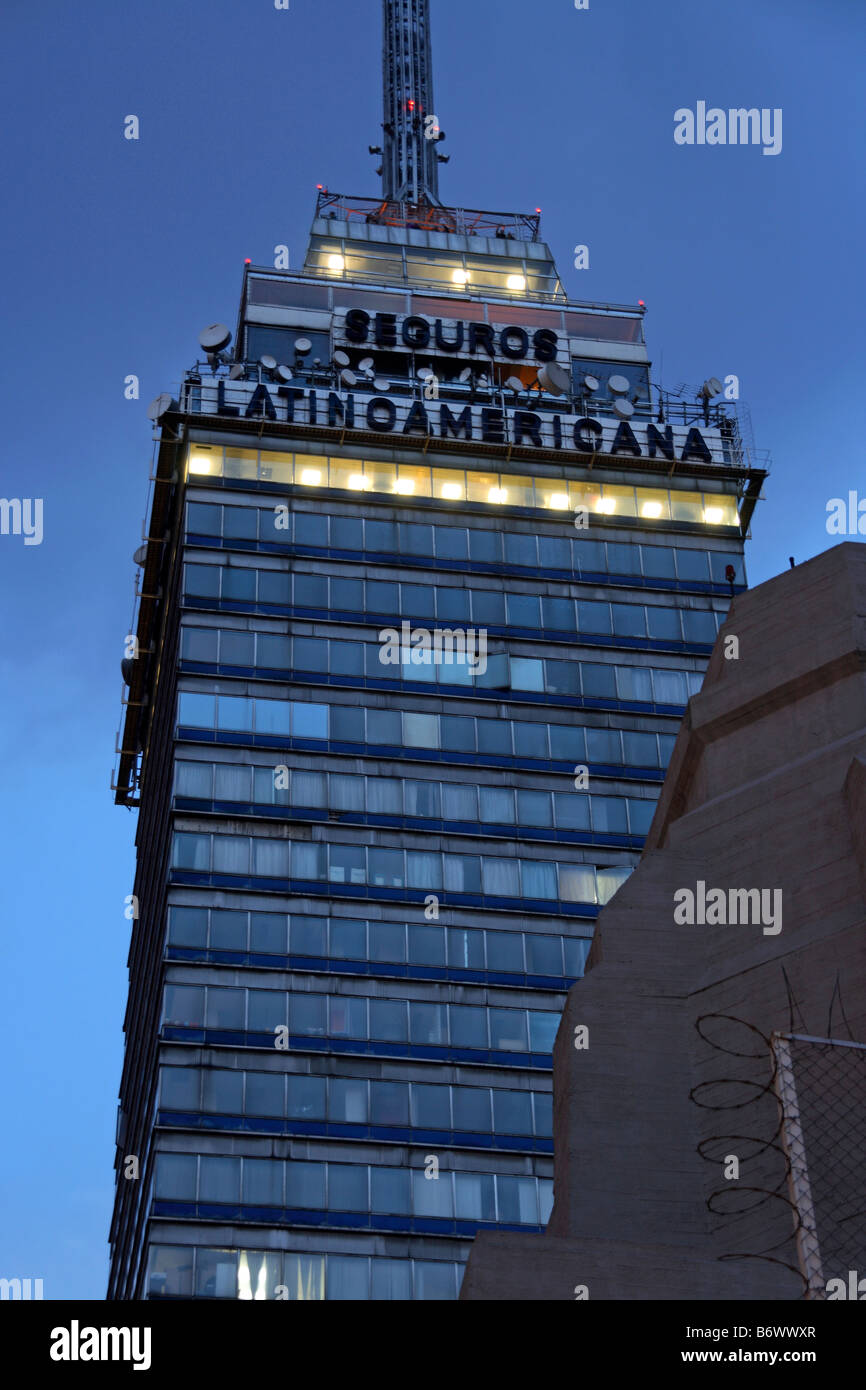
{"points": [[410, 171]]}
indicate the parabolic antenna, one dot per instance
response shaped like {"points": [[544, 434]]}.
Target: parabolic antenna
{"points": [[714, 386], [215, 337], [380, 384], [466, 374], [284, 373], [366, 364], [348, 378], [303, 346], [554, 378], [623, 408], [341, 359], [424, 372], [237, 372], [514, 384], [591, 383], [269, 363], [161, 406], [618, 385]]}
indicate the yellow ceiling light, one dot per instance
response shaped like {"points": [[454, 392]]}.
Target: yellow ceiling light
{"points": [[497, 494], [713, 515], [460, 277], [336, 262], [651, 509], [405, 486], [516, 282], [311, 477], [199, 463], [559, 500], [606, 505], [452, 491], [358, 483]]}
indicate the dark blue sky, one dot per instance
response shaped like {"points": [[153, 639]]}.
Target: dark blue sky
{"points": [[116, 253]]}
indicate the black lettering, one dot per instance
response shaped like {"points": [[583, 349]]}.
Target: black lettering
{"points": [[374, 409], [222, 408], [344, 411], [508, 349], [261, 403], [289, 394], [527, 422], [386, 330], [314, 407], [557, 432], [416, 332], [443, 344], [625, 441], [545, 344], [449, 425], [492, 426], [581, 441], [696, 448], [656, 440], [417, 419], [482, 333], [357, 325]]}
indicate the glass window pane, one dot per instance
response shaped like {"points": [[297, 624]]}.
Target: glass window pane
{"points": [[538, 879], [176, 1177], [179, 1088], [471, 1109], [669, 687], [184, 1005], [434, 1280], [432, 1196], [389, 1020], [196, 711], [392, 1280], [505, 951], [390, 1191], [216, 1273], [347, 1017], [305, 1185], [658, 561], [265, 1093], [262, 1184], [428, 1024], [497, 806], [191, 852], [389, 1103], [572, 810], [542, 1031], [518, 1200], [307, 1015], [348, 940], [465, 948], [501, 877], [494, 737], [219, 1179], [508, 1030], [598, 681], [384, 727], [512, 1112], [421, 730], [664, 624], [544, 954], [387, 941], [170, 1272], [426, 945], [468, 1025], [347, 1188], [387, 869], [225, 1008], [475, 1196], [534, 808], [306, 1097], [530, 740], [459, 803]]}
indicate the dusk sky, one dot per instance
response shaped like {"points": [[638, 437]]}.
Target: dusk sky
{"points": [[117, 252]]}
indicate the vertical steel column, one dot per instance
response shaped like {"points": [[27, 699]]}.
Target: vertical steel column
{"points": [[410, 169]]}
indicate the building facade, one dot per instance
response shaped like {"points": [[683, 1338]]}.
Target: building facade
{"points": [[429, 578]]}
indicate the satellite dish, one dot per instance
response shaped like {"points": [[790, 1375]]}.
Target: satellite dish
{"points": [[618, 385], [424, 372], [126, 667], [215, 337], [591, 383], [342, 359], [713, 387], [366, 364], [380, 384], [237, 372], [466, 374], [303, 346], [161, 406], [514, 384], [284, 373], [623, 408], [348, 378], [140, 555], [554, 379], [269, 363]]}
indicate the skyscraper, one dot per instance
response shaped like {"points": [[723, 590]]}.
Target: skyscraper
{"points": [[429, 578]]}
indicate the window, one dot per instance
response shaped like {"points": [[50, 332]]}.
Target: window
{"points": [[264, 1093], [305, 1185], [664, 623], [196, 710], [389, 1020], [262, 1183], [176, 1177], [184, 1005], [179, 1088], [219, 1179]]}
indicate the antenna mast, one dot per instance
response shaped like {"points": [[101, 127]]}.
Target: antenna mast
{"points": [[410, 171]]}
